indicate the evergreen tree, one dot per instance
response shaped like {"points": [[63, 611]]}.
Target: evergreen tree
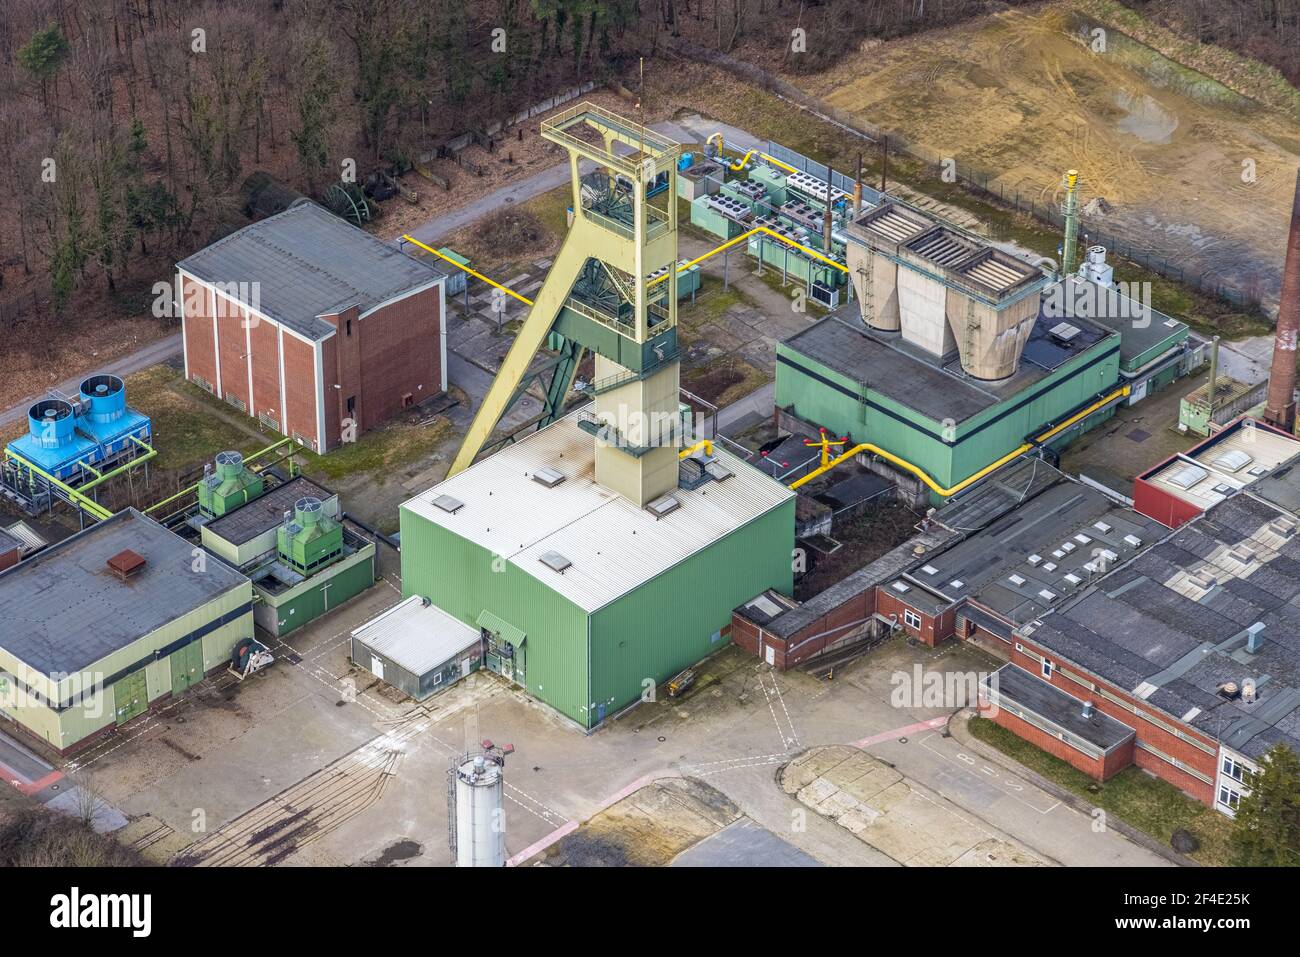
{"points": [[1266, 832]]}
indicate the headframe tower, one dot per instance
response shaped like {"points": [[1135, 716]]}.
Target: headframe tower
{"points": [[612, 289]]}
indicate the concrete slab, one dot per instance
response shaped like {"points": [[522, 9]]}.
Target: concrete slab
{"points": [[744, 844]]}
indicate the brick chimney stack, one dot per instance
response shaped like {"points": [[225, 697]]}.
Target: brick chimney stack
{"points": [[1281, 383]]}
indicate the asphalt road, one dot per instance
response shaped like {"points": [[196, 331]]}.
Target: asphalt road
{"points": [[150, 355]]}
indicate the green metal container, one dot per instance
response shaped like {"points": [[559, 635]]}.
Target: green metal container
{"points": [[311, 540], [230, 486], [773, 181]]}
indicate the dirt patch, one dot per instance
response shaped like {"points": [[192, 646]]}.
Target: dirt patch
{"points": [[723, 380], [863, 539], [646, 829], [1019, 96]]}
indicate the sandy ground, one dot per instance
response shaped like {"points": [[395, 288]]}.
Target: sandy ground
{"points": [[1017, 96]]}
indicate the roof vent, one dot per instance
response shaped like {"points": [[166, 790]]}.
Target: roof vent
{"points": [[1064, 331], [1248, 691], [554, 561], [664, 506], [719, 471], [1230, 690], [1015, 579], [1133, 540], [1253, 637], [1087, 709], [548, 477], [1047, 595], [1101, 527], [448, 504], [126, 564]]}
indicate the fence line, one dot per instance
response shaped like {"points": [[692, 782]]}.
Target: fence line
{"points": [[968, 175]]}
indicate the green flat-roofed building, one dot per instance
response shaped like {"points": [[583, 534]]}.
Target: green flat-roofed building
{"points": [[102, 625], [583, 598], [874, 387]]}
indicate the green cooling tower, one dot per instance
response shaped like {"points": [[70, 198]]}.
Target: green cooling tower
{"points": [[311, 540], [231, 486]]}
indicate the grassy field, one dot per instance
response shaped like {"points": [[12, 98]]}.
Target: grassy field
{"points": [[381, 451], [189, 426], [1135, 797]]}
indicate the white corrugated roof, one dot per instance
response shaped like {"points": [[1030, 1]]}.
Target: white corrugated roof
{"points": [[612, 545], [416, 636]]}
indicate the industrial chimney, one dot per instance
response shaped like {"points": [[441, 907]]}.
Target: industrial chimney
{"points": [[1281, 382]]}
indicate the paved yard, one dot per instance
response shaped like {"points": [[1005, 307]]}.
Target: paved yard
{"points": [[313, 762]]}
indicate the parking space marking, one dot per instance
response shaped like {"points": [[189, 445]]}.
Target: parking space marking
{"points": [[1008, 784]]}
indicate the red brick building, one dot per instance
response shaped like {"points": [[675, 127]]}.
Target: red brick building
{"points": [[1185, 485], [1126, 643], [312, 326]]}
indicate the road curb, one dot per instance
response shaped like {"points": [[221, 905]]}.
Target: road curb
{"points": [[957, 727]]}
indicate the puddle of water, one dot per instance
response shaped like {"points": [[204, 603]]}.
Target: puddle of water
{"points": [[1144, 117]]}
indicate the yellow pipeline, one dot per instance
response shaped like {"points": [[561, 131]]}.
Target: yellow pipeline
{"points": [[707, 445], [101, 477], [741, 238], [935, 486], [477, 275], [194, 488], [86, 504], [682, 268], [745, 159]]}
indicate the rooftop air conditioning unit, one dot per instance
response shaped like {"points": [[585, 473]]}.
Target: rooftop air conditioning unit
{"points": [[828, 297]]}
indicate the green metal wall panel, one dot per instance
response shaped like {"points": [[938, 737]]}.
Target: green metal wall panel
{"points": [[464, 580], [668, 623], [920, 440], [289, 610]]}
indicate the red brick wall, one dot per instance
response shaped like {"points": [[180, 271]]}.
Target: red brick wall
{"points": [[329, 370], [1147, 732], [890, 603], [1095, 768], [300, 387], [808, 641], [8, 559], [265, 338], [347, 353], [231, 346], [400, 355], [200, 348]]}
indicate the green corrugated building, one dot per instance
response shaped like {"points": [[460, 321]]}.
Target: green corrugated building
{"points": [[875, 387], [105, 624], [583, 598]]}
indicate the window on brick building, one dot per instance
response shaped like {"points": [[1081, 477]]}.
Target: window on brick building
{"points": [[352, 404], [1236, 771], [911, 619], [349, 327], [1047, 667]]}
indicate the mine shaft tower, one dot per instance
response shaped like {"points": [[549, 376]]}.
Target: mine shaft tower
{"points": [[612, 289]]}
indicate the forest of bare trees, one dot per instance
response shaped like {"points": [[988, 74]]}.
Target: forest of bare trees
{"points": [[127, 126]]}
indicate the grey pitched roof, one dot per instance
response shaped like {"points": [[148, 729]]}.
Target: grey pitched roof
{"points": [[63, 609], [307, 262], [7, 542], [1173, 620]]}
